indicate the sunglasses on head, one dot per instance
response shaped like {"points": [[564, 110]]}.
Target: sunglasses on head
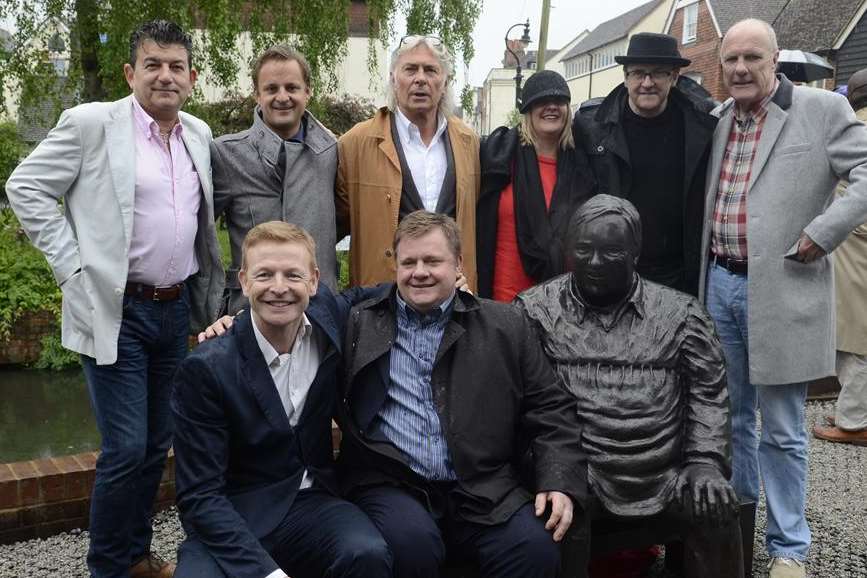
{"points": [[414, 39]]}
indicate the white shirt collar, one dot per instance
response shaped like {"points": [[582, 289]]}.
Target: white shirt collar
{"points": [[265, 346], [409, 132]]}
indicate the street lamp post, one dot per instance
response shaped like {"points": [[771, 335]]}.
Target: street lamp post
{"points": [[525, 39]]}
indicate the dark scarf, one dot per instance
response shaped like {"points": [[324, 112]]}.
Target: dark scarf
{"points": [[541, 231]]}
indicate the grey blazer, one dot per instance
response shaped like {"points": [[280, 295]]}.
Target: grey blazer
{"points": [[88, 161], [248, 188], [810, 139]]}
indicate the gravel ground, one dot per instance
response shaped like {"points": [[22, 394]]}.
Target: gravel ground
{"points": [[836, 511]]}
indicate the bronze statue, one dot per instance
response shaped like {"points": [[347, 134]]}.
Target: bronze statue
{"points": [[647, 369]]}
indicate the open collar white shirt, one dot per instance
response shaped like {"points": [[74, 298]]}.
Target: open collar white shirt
{"points": [[427, 163], [293, 373]]}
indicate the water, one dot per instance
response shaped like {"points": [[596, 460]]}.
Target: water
{"points": [[43, 414]]}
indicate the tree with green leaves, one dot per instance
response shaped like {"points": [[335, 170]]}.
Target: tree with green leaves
{"points": [[97, 34]]}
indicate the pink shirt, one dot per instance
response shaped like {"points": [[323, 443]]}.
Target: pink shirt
{"points": [[167, 197]]}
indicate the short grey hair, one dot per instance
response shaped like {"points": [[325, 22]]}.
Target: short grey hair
{"points": [[445, 59], [769, 31]]}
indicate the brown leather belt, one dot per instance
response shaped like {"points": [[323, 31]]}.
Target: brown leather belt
{"points": [[151, 293], [736, 266]]}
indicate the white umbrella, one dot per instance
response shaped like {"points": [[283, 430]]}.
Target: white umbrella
{"points": [[803, 66]]}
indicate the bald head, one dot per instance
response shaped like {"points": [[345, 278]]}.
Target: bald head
{"points": [[749, 60], [755, 26]]}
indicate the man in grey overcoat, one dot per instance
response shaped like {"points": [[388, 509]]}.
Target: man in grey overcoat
{"points": [[282, 168], [770, 223]]}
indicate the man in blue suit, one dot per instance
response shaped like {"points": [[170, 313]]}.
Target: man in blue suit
{"points": [[253, 444]]}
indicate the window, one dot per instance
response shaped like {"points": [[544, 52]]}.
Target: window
{"points": [[604, 57], [690, 22], [578, 66]]}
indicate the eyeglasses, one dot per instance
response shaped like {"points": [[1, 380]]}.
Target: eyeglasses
{"points": [[414, 39], [638, 74]]}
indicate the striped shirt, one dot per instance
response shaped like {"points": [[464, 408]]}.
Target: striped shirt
{"points": [[729, 228], [408, 417]]}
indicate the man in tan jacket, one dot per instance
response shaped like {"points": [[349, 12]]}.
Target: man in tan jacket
{"points": [[413, 154], [849, 422]]}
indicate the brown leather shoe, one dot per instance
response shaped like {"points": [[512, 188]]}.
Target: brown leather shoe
{"points": [[152, 566], [829, 420], [835, 434]]}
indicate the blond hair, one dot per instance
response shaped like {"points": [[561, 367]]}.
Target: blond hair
{"points": [[529, 137], [278, 232]]}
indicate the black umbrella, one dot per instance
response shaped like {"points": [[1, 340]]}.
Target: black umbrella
{"points": [[802, 66]]}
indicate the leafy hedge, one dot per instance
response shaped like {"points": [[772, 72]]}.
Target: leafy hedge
{"points": [[235, 112], [11, 151], [27, 284]]}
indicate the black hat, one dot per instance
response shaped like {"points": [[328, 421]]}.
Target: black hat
{"points": [[543, 84], [651, 48]]}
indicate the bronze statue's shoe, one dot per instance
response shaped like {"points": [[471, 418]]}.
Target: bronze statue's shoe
{"points": [[152, 566], [786, 568], [835, 434]]}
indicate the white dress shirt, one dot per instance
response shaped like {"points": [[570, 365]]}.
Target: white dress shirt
{"points": [[427, 163], [293, 373]]}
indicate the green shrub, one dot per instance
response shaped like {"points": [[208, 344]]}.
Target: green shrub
{"points": [[235, 112], [54, 356], [230, 115], [27, 284], [11, 151], [340, 114], [26, 281]]}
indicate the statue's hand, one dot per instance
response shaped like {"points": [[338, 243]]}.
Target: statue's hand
{"points": [[704, 489]]}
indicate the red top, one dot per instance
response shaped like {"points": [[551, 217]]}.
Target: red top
{"points": [[509, 276]]}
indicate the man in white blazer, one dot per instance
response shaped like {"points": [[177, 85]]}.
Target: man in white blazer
{"points": [[133, 248], [770, 223]]}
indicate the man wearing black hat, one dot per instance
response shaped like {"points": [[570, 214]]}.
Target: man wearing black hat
{"points": [[648, 142]]}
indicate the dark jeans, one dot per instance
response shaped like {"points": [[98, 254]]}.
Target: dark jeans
{"points": [[320, 536], [130, 400], [517, 548]]}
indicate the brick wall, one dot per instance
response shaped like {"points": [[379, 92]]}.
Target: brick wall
{"points": [[703, 51], [25, 340], [40, 498]]}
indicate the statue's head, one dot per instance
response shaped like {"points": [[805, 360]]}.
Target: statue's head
{"points": [[604, 242]]}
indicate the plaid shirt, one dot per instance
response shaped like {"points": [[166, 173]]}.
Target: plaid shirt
{"points": [[729, 232]]}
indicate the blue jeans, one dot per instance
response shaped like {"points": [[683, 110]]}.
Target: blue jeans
{"points": [[130, 400], [779, 455]]}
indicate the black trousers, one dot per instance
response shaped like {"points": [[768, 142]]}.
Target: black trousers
{"points": [[520, 547]]}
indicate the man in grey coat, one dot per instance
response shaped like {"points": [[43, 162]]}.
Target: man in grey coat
{"points": [[280, 169], [770, 223]]}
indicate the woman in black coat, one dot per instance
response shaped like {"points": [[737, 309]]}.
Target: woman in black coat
{"points": [[533, 179]]}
